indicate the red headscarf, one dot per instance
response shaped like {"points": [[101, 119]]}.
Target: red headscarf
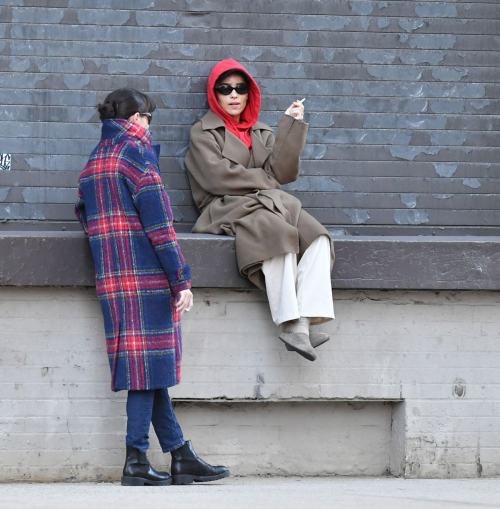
{"points": [[250, 114]]}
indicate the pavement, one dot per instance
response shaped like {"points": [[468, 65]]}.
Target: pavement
{"points": [[262, 493]]}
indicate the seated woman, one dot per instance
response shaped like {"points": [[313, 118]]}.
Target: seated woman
{"points": [[236, 167]]}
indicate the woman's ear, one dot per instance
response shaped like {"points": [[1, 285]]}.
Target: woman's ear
{"points": [[134, 118]]}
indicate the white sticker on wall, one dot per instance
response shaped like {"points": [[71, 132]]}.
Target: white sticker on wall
{"points": [[5, 160]]}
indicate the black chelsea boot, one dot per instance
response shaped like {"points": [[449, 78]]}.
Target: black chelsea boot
{"points": [[187, 467], [139, 472]]}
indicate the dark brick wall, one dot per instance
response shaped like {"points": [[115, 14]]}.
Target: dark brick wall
{"points": [[402, 100]]}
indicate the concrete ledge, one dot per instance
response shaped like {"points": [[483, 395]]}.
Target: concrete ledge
{"points": [[413, 263]]}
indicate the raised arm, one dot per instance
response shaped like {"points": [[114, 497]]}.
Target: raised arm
{"points": [[284, 159]]}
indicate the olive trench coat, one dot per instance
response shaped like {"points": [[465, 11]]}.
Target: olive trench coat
{"points": [[238, 191]]}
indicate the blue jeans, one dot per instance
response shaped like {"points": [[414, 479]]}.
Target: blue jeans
{"points": [[146, 407]]}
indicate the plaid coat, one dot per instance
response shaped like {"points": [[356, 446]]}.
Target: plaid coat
{"points": [[123, 208]]}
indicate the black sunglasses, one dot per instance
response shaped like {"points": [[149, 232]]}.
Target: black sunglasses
{"points": [[225, 89], [149, 116]]}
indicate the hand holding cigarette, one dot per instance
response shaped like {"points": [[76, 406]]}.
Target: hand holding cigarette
{"points": [[296, 110]]}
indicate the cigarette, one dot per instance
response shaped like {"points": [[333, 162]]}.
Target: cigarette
{"points": [[302, 100]]}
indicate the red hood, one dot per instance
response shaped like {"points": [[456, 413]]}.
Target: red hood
{"points": [[251, 113]]}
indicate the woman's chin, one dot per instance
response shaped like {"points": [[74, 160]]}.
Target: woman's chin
{"points": [[235, 115]]}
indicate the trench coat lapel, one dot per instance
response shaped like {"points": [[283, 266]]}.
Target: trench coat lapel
{"points": [[259, 150], [235, 150]]}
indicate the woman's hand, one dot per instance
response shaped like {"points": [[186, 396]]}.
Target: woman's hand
{"points": [[296, 110], [184, 302]]}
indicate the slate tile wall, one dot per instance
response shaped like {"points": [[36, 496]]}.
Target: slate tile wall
{"points": [[403, 101]]}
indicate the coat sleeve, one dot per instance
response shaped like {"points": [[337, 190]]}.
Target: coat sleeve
{"points": [[218, 175], [284, 159], [80, 212], [155, 214]]}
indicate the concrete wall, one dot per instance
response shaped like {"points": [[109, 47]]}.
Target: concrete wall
{"points": [[408, 384], [403, 101]]}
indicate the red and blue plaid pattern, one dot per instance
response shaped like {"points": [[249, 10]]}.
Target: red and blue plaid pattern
{"points": [[124, 209]]}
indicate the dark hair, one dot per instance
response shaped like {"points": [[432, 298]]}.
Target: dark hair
{"points": [[224, 75], [125, 102]]}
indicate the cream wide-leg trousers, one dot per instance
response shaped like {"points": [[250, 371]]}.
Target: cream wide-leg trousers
{"points": [[303, 289]]}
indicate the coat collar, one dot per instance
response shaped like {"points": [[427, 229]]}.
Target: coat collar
{"points": [[118, 129], [234, 149]]}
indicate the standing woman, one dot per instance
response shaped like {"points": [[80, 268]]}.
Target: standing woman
{"points": [[236, 167], [142, 283]]}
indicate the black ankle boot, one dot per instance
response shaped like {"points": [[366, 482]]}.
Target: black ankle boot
{"points": [[138, 471], [187, 467]]}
